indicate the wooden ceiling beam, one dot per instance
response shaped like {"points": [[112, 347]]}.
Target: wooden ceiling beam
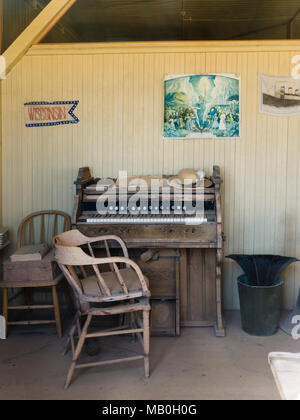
{"points": [[37, 29], [256, 31], [290, 25], [54, 22]]}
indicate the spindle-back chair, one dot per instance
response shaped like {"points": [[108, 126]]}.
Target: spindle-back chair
{"points": [[36, 228], [124, 286], [42, 226]]}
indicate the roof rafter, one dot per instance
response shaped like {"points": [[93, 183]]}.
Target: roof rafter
{"points": [[290, 25], [37, 29]]}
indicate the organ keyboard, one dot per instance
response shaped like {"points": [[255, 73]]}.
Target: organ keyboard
{"points": [[145, 220], [96, 218]]}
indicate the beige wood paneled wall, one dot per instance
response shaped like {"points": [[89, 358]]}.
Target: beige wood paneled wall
{"points": [[120, 89]]}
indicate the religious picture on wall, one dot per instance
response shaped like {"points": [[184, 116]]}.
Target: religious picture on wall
{"points": [[202, 106], [279, 95]]}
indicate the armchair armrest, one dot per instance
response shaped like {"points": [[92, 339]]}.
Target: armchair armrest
{"points": [[70, 256]]}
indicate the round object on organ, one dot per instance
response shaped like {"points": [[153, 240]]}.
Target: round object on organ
{"points": [[208, 183], [190, 175]]}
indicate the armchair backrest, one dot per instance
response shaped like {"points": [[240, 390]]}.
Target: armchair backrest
{"points": [[76, 238], [75, 263]]}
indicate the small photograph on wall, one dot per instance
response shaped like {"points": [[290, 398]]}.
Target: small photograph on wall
{"points": [[202, 106], [279, 95]]}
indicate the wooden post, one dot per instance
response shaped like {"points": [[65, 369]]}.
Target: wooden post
{"points": [[34, 32], [56, 311], [146, 342], [1, 200], [1, 25], [290, 25], [290, 29], [5, 306]]}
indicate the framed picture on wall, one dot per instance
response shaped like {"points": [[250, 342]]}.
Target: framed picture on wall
{"points": [[201, 106], [279, 95]]}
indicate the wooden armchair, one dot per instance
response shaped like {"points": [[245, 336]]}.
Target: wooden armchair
{"points": [[124, 287], [36, 228]]}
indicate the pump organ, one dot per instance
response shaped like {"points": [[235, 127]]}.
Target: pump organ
{"points": [[179, 252]]}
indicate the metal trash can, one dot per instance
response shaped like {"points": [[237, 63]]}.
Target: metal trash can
{"points": [[260, 290], [260, 306]]}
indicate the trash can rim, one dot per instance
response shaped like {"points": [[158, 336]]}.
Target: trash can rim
{"points": [[257, 287]]}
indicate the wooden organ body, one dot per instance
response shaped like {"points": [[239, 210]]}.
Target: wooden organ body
{"points": [[181, 257]]}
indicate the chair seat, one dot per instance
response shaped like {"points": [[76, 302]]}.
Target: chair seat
{"points": [[141, 304], [25, 284], [91, 284]]}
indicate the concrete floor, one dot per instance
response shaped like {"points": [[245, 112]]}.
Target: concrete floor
{"points": [[194, 366]]}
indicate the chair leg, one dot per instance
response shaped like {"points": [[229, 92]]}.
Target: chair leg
{"points": [[56, 311], [67, 294], [78, 350], [146, 322], [71, 333], [5, 306], [133, 325], [26, 296], [132, 322]]}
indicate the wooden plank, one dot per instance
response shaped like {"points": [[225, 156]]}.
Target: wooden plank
{"points": [[31, 322], [32, 283], [210, 286], [38, 28], [183, 285], [111, 333], [197, 324], [108, 362], [168, 48], [220, 332], [32, 272], [25, 307], [196, 290]]}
